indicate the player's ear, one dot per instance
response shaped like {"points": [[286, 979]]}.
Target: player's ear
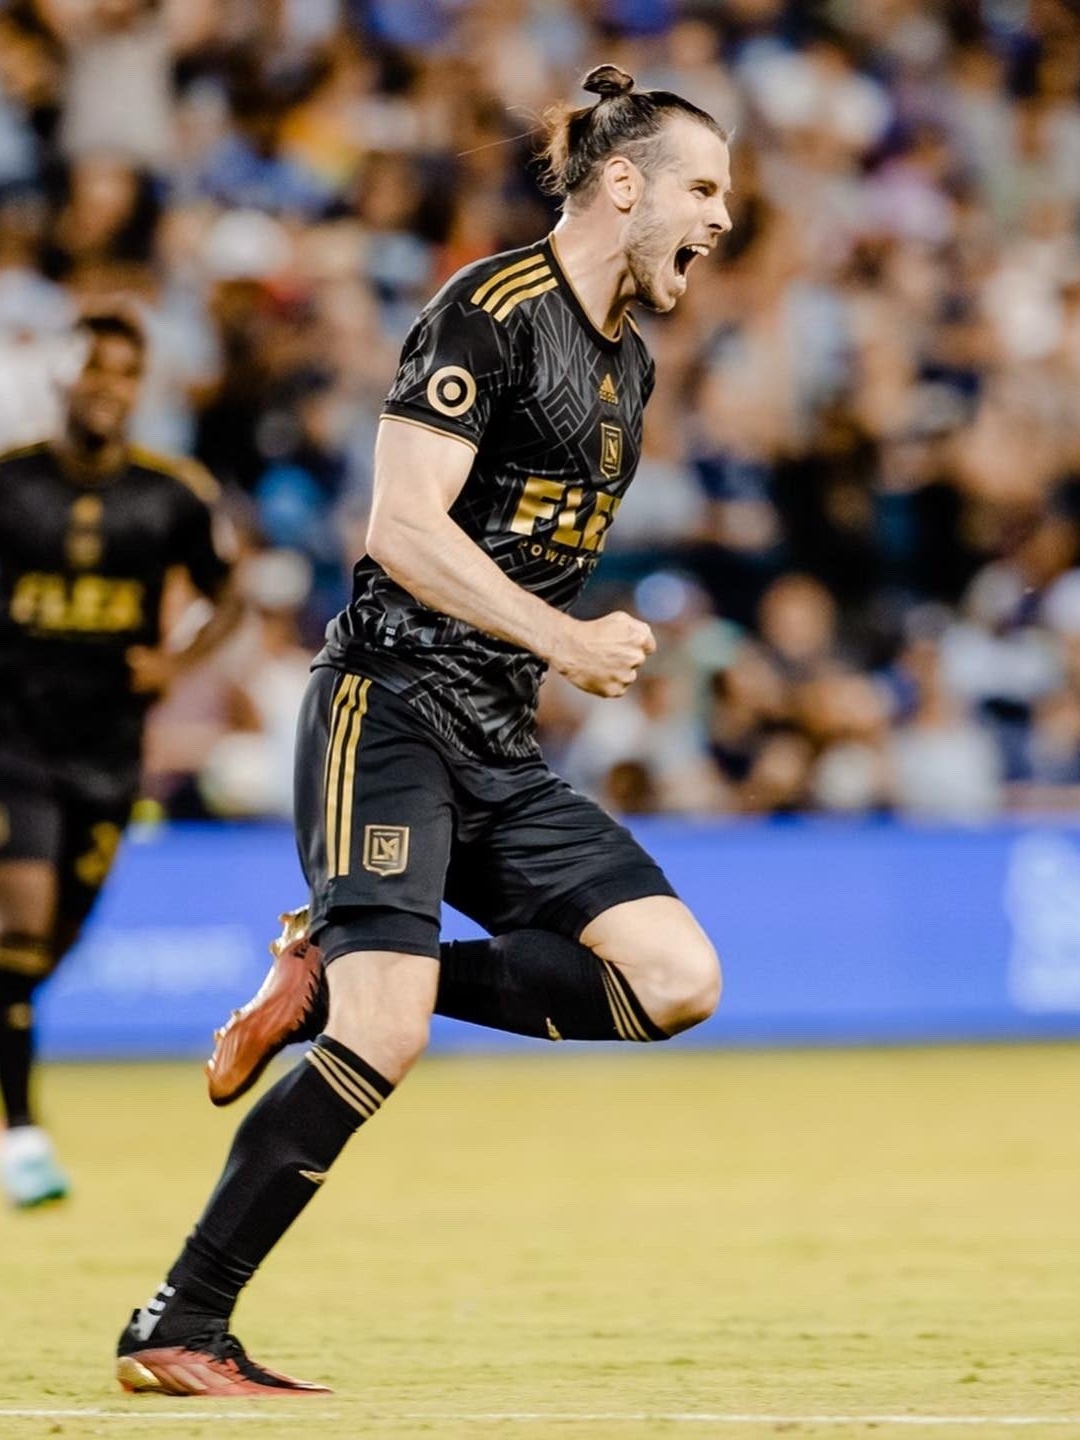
{"points": [[624, 182]]}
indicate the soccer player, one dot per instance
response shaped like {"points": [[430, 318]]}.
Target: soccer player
{"points": [[89, 528], [511, 432]]}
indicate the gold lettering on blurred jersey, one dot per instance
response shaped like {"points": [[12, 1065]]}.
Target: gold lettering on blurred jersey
{"points": [[83, 544], [86, 605], [95, 863], [607, 391]]}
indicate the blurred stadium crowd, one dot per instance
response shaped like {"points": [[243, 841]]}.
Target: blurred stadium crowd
{"points": [[857, 525]]}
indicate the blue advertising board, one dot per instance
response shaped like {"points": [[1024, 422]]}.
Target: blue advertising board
{"points": [[830, 932]]}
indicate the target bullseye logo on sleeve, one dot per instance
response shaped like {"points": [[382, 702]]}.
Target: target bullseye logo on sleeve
{"points": [[451, 390]]}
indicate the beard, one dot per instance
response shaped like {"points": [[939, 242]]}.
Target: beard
{"points": [[646, 250]]}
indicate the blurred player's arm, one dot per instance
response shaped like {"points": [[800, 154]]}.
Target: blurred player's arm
{"points": [[154, 668], [204, 551], [419, 474]]}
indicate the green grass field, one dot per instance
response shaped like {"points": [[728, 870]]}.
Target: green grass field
{"points": [[622, 1245]]}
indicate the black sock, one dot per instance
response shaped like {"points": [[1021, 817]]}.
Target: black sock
{"points": [[534, 982], [279, 1158], [23, 962]]}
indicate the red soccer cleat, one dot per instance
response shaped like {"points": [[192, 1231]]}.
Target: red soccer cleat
{"points": [[211, 1364], [289, 1005]]}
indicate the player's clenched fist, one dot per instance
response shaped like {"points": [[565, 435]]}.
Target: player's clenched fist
{"points": [[603, 656]]}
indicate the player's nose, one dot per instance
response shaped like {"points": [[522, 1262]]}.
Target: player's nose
{"points": [[719, 219]]}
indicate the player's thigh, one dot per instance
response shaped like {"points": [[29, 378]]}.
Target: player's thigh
{"points": [[664, 953], [31, 833], [92, 833], [374, 819], [552, 859]]}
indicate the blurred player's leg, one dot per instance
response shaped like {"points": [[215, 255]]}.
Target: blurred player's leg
{"points": [[29, 847], [56, 859], [380, 1007]]}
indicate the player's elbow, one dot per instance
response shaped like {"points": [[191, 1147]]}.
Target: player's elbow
{"points": [[387, 545]]}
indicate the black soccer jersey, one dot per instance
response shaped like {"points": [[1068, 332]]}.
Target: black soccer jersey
{"points": [[506, 358], [82, 567]]}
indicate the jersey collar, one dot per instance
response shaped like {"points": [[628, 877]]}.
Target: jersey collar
{"points": [[573, 299]]}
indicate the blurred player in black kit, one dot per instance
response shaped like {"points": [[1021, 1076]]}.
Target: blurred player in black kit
{"points": [[511, 432], [90, 528]]}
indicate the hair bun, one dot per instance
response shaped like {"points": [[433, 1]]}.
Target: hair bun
{"points": [[608, 81]]}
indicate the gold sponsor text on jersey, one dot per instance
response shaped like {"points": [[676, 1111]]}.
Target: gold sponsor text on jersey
{"points": [[87, 604], [543, 500]]}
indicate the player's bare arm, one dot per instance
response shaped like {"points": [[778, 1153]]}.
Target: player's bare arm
{"points": [[154, 668], [418, 476]]}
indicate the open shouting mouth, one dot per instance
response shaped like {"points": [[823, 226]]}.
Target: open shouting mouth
{"points": [[686, 255]]}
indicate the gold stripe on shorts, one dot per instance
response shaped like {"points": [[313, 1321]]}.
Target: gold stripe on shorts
{"points": [[340, 715], [352, 745]]}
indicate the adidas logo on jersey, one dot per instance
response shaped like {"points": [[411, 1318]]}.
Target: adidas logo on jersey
{"points": [[607, 392]]}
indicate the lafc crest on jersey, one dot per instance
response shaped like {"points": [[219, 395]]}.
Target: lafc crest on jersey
{"points": [[610, 451]]}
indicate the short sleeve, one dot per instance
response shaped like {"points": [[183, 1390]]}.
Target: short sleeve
{"points": [[202, 540], [456, 370]]}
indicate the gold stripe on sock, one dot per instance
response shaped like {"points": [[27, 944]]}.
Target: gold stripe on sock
{"points": [[317, 1059], [634, 1030], [341, 1082], [348, 1076], [613, 1005]]}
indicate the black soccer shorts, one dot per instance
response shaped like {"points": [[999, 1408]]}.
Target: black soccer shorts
{"points": [[77, 835], [391, 820]]}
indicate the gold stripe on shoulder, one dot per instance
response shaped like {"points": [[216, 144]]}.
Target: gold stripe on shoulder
{"points": [[520, 295], [17, 450], [435, 429], [500, 275], [528, 277], [189, 472]]}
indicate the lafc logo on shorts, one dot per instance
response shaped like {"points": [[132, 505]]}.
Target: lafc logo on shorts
{"points": [[386, 848]]}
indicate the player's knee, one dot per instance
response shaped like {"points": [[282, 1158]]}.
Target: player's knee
{"points": [[694, 986], [392, 1046], [681, 987]]}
